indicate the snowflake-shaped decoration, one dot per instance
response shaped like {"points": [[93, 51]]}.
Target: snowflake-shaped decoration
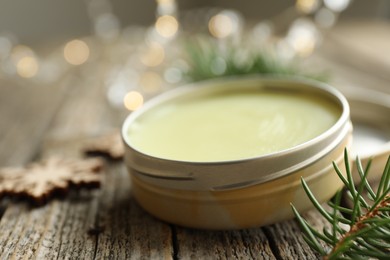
{"points": [[39, 181], [110, 145]]}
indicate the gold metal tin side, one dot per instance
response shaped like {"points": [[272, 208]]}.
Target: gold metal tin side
{"points": [[244, 193], [258, 205]]}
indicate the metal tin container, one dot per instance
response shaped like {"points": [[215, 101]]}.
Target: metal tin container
{"points": [[370, 114], [240, 193]]}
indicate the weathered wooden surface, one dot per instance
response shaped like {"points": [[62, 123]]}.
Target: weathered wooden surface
{"points": [[38, 121]]}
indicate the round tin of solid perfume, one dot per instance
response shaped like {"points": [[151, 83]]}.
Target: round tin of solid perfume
{"points": [[230, 153]]}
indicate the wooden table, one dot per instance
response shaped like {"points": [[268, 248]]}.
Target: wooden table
{"points": [[37, 121]]}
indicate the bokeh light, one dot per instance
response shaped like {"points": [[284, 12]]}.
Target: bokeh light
{"points": [[27, 67], [325, 18], [164, 2], [167, 26], [133, 100], [307, 6], [173, 75], [262, 31], [154, 55], [76, 52], [221, 26], [284, 50], [218, 66], [18, 52], [119, 81], [23, 59], [150, 82], [107, 27], [151, 51], [303, 36], [337, 5], [165, 7]]}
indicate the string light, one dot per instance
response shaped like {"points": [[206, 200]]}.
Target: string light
{"points": [[221, 26], [224, 24], [337, 5], [76, 52], [133, 100], [303, 36], [167, 26], [164, 2], [166, 7], [20, 51], [27, 67], [119, 81], [24, 61], [307, 6]]}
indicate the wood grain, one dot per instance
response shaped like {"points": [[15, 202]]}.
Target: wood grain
{"points": [[61, 228], [363, 45], [287, 241], [128, 231], [26, 111], [235, 244]]}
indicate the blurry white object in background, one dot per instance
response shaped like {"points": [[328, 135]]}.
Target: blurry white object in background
{"points": [[337, 5]]}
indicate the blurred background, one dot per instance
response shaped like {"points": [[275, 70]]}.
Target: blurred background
{"points": [[141, 48], [34, 22]]}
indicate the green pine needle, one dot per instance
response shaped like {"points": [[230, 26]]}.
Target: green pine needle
{"points": [[210, 59], [368, 236]]}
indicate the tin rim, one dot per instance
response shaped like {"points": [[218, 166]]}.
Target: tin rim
{"points": [[371, 108], [190, 175]]}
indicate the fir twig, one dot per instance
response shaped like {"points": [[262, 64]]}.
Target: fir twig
{"points": [[368, 236], [208, 59]]}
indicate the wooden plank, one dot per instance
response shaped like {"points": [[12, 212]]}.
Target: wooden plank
{"points": [[39, 226], [235, 244], [26, 110], [61, 228], [350, 67], [47, 231], [283, 240], [345, 77], [287, 240], [363, 45], [129, 232]]}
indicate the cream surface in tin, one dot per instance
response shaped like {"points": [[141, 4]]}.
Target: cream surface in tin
{"points": [[231, 125], [222, 175]]}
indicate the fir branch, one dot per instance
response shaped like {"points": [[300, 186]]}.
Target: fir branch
{"points": [[368, 235], [210, 59]]}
